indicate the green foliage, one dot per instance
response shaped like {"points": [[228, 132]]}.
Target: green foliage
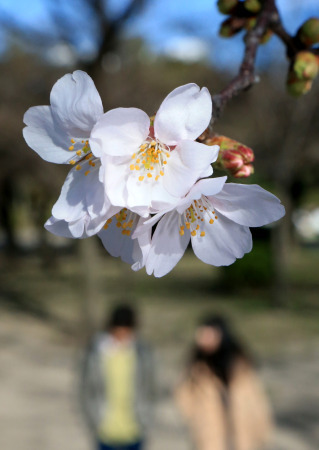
{"points": [[253, 270]]}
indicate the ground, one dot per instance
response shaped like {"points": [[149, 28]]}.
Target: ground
{"points": [[41, 340]]}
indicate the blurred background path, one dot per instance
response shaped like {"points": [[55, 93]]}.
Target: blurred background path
{"points": [[40, 343]]}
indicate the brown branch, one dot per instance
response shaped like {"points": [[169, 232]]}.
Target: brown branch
{"points": [[268, 18]]}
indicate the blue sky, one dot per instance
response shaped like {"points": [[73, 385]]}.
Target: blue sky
{"points": [[164, 22]]}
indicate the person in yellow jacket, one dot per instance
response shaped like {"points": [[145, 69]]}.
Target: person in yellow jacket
{"points": [[221, 397], [117, 384]]}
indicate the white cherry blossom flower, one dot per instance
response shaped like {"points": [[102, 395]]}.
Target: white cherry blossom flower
{"points": [[216, 218], [60, 133], [146, 167], [115, 235]]}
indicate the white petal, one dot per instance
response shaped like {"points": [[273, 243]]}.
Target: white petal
{"points": [[188, 162], [114, 177], [139, 192], [248, 205], [167, 247], [58, 227], [120, 132], [81, 195], [207, 187], [184, 114], [141, 248], [118, 244], [77, 228], [224, 241], [76, 104], [45, 137]]}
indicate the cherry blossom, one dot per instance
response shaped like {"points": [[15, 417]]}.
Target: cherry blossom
{"points": [[215, 217], [60, 133], [147, 166]]}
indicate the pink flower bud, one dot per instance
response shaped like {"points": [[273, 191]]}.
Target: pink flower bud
{"points": [[245, 171], [234, 157]]}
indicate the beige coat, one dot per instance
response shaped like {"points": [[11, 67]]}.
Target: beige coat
{"points": [[237, 420]]}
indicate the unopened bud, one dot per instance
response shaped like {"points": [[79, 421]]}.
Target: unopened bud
{"points": [[245, 171], [308, 33], [297, 87], [305, 66], [253, 6], [231, 26], [226, 6], [233, 156]]}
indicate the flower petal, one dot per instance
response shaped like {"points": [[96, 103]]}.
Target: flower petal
{"points": [[224, 241], [118, 244], [76, 104], [207, 187], [141, 248], [120, 132], [58, 227], [184, 114], [83, 197], [167, 247], [188, 162], [45, 137], [248, 205]]}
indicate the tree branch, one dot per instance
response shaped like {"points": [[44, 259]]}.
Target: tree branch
{"points": [[268, 18]]}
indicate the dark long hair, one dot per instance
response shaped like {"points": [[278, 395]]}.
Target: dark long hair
{"points": [[221, 362]]}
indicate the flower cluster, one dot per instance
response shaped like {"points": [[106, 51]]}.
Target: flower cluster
{"points": [[130, 172]]}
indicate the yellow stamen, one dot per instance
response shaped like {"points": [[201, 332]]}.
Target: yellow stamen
{"points": [[162, 173], [188, 225], [78, 152], [73, 141], [202, 233], [211, 221], [157, 177], [86, 173], [72, 162], [71, 147], [149, 175], [78, 167], [141, 178], [132, 167], [137, 167], [193, 233], [133, 156]]}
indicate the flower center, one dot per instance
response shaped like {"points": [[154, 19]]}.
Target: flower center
{"points": [[150, 160], [125, 219], [84, 157], [194, 216]]}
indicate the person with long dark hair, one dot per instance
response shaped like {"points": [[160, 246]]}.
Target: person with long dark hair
{"points": [[221, 397]]}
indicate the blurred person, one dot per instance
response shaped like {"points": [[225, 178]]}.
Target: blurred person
{"points": [[221, 397], [117, 384]]}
